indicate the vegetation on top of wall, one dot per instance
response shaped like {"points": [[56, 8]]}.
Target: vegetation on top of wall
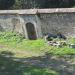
{"points": [[28, 4], [6, 4]]}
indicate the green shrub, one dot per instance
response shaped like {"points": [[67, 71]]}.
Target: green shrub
{"points": [[71, 40], [10, 36]]}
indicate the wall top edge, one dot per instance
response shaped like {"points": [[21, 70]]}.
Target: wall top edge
{"points": [[38, 11]]}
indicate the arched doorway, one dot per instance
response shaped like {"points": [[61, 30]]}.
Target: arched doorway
{"points": [[31, 31]]}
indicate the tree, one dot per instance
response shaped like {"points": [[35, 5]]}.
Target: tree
{"points": [[6, 4], [17, 4], [28, 4]]}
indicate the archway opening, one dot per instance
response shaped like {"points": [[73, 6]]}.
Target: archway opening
{"points": [[31, 31]]}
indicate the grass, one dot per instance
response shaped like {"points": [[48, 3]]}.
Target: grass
{"points": [[25, 56], [11, 41], [10, 66]]}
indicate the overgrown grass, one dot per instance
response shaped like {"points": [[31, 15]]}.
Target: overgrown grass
{"points": [[16, 43]]}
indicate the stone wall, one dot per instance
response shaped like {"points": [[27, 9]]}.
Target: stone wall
{"points": [[58, 22], [44, 21], [10, 23], [16, 22]]}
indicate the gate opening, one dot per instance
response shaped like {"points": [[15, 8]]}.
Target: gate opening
{"points": [[31, 31]]}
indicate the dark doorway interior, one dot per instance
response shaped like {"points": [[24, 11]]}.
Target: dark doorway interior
{"points": [[31, 31]]}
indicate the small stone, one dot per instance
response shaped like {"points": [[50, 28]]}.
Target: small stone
{"points": [[72, 45]]}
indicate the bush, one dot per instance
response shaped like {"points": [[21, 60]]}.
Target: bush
{"points": [[10, 36]]}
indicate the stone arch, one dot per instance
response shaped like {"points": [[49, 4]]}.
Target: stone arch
{"points": [[31, 32]]}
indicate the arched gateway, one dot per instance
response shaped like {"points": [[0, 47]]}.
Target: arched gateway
{"points": [[31, 32]]}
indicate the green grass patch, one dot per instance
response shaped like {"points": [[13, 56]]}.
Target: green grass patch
{"points": [[21, 47], [19, 56]]}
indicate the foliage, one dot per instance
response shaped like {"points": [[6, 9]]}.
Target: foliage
{"points": [[31, 57], [37, 47], [17, 4], [61, 51], [71, 41], [10, 36], [28, 4], [6, 4], [10, 66]]}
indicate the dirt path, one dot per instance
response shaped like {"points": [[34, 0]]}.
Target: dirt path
{"points": [[63, 65], [2, 46]]}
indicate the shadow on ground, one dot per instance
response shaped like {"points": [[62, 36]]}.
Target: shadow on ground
{"points": [[42, 65]]}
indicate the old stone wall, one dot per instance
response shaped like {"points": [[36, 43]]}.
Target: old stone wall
{"points": [[44, 21], [58, 22], [10, 23], [16, 22]]}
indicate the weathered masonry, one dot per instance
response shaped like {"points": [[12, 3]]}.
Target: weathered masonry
{"points": [[35, 23]]}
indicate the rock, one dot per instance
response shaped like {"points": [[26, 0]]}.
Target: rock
{"points": [[72, 45]]}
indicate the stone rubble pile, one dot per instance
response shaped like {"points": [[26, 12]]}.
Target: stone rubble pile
{"points": [[59, 43]]}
